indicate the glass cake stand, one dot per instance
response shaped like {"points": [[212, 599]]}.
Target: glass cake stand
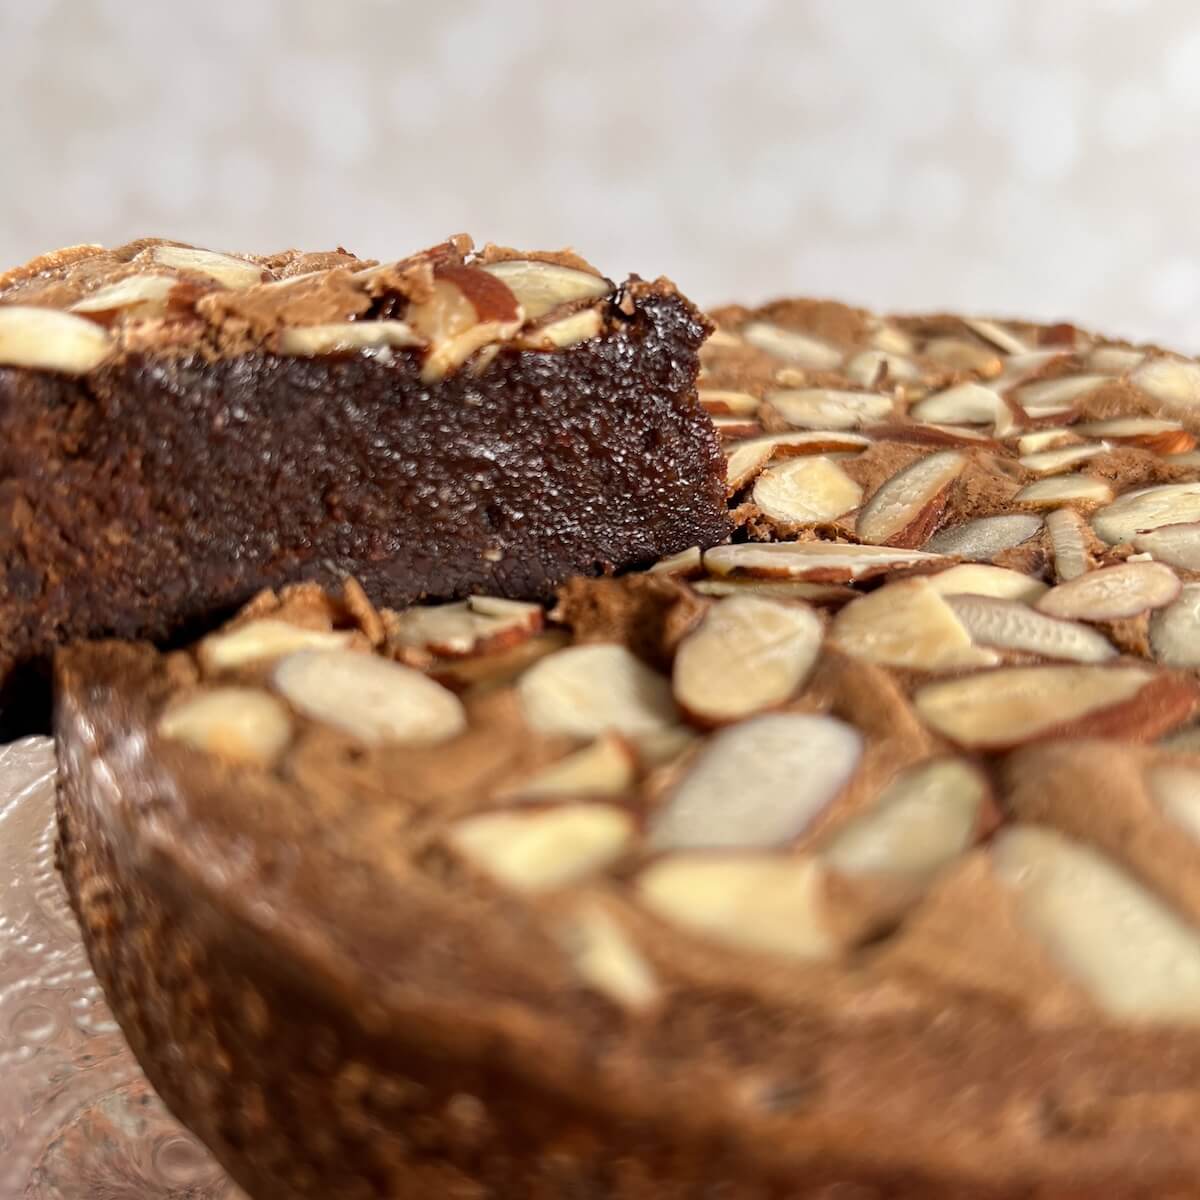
{"points": [[78, 1121]]}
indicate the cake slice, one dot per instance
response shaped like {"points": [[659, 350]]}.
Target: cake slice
{"points": [[180, 428]]}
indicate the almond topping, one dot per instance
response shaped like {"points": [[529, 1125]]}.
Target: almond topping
{"points": [[606, 959], [1135, 956], [1148, 508], [1175, 631], [1175, 545], [777, 589], [238, 723], [828, 562], [567, 331], [869, 366], [1150, 433], [137, 295], [344, 337], [1052, 396], [1068, 543], [541, 286], [997, 335], [537, 851], [1011, 625], [797, 348], [605, 768], [1176, 790], [1050, 462], [684, 564], [1114, 360], [369, 698], [258, 641], [591, 689], [748, 901], [827, 408], [904, 511], [805, 491], [759, 784], [743, 462], [1061, 489], [974, 579], [478, 625], [45, 339], [962, 355], [985, 537], [891, 340], [1113, 593], [748, 654], [967, 404], [732, 404], [1047, 439], [228, 271], [1173, 382]]}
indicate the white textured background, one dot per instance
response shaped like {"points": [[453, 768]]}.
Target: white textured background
{"points": [[1018, 156]]}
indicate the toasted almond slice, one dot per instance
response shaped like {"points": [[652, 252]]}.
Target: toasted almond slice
{"points": [[976, 579], [808, 352], [1148, 508], [1055, 438], [985, 537], [44, 339], [1011, 625], [227, 270], [1049, 396], [736, 428], [592, 689], [1065, 489], [541, 286], [747, 654], [537, 851], [826, 562], [603, 768], [928, 433], [744, 460], [777, 589], [997, 335], [828, 408], [1175, 788], [1050, 462], [966, 404], [1068, 543], [567, 331], [134, 296], [1112, 593], [345, 337], [759, 784], [1135, 956], [891, 340], [1006, 707], [869, 366], [606, 958], [237, 723], [474, 626], [905, 509], [752, 902], [1114, 360], [261, 640], [368, 697], [1018, 367], [1150, 433], [961, 355], [733, 404], [1173, 382], [1175, 545], [924, 819], [805, 490], [810, 441], [907, 624], [684, 564], [466, 309], [1175, 631]]}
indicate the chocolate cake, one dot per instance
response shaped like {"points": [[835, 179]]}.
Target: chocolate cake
{"points": [[179, 429], [857, 857]]}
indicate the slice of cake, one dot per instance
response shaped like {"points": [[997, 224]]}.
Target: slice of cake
{"points": [[179, 429], [859, 855]]}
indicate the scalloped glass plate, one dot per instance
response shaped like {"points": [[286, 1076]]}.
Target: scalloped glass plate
{"points": [[77, 1117]]}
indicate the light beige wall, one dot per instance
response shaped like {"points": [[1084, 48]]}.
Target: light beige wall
{"points": [[1024, 156]]}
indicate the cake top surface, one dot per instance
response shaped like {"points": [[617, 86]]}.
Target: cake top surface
{"points": [[84, 307]]}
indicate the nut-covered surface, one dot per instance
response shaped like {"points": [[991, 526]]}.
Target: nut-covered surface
{"points": [[179, 429]]}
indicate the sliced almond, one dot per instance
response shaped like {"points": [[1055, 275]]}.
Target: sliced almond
{"points": [[345, 337], [1000, 337], [1068, 543], [967, 404], [686, 563], [592, 689], [905, 509], [908, 625], [810, 441], [1175, 631], [749, 901], [961, 355], [1018, 367], [985, 537], [1113, 593], [566, 331], [262, 640], [732, 404], [927, 433], [134, 296], [976, 579], [1175, 545], [828, 408], [606, 958], [805, 491], [1136, 957], [44, 339], [481, 624], [798, 348], [923, 820], [237, 723], [777, 589], [1150, 433], [1055, 438], [870, 366], [759, 784], [1175, 788], [891, 340], [227, 270], [995, 710], [541, 286], [1114, 360], [747, 654], [1148, 508], [1051, 396], [743, 461], [1065, 489], [1051, 462], [368, 697], [549, 848], [604, 768], [736, 428], [820, 561], [1173, 382], [1012, 625]]}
